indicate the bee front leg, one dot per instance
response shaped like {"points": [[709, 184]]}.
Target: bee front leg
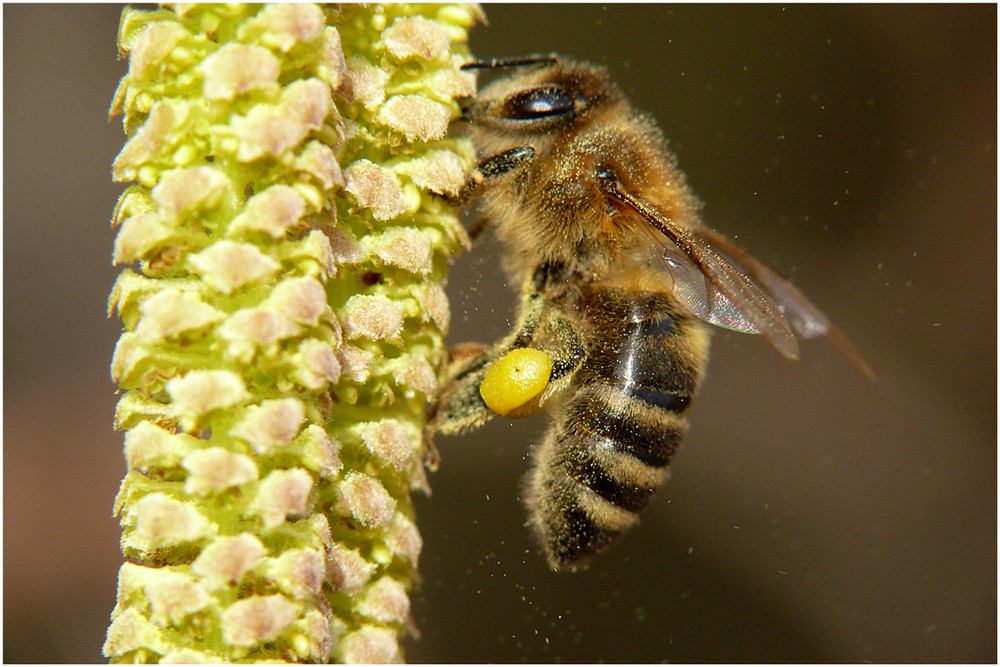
{"points": [[493, 167], [487, 169]]}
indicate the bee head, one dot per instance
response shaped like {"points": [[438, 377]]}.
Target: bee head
{"points": [[554, 137]]}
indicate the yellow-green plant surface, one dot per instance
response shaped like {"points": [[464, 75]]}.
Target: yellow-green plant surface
{"points": [[283, 312]]}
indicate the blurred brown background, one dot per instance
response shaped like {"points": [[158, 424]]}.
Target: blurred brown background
{"points": [[812, 515]]}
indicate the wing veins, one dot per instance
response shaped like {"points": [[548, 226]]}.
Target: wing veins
{"points": [[787, 292], [730, 281]]}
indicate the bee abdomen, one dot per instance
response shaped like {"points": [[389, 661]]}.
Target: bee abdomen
{"points": [[571, 520], [617, 426], [595, 463], [598, 467], [645, 425]]}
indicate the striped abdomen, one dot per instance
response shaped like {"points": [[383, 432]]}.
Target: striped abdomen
{"points": [[621, 421]]}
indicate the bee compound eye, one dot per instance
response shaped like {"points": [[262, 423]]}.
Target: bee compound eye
{"points": [[541, 102]]}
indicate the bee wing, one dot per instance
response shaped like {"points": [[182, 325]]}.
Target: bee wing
{"points": [[721, 293], [725, 285], [694, 289], [807, 321], [714, 288]]}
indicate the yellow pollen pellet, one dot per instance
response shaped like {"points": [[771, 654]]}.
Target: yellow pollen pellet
{"points": [[514, 380]]}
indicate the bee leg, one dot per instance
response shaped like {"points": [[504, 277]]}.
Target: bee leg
{"points": [[459, 406], [459, 357], [476, 229], [509, 160], [464, 351], [492, 167], [567, 351]]}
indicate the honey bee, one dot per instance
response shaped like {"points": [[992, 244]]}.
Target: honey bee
{"points": [[618, 280]]}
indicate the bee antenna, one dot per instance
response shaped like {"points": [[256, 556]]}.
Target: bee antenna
{"points": [[516, 61]]}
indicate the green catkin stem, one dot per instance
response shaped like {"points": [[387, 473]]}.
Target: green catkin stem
{"points": [[283, 319]]}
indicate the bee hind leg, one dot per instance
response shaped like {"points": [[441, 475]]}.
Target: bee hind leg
{"points": [[458, 406]]}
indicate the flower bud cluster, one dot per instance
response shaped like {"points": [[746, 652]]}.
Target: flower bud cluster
{"points": [[285, 243]]}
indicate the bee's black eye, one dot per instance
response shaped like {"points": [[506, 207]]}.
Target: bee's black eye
{"points": [[541, 102]]}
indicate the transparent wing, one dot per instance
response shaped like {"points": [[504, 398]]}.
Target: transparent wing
{"points": [[725, 285], [710, 285], [694, 289], [806, 320]]}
